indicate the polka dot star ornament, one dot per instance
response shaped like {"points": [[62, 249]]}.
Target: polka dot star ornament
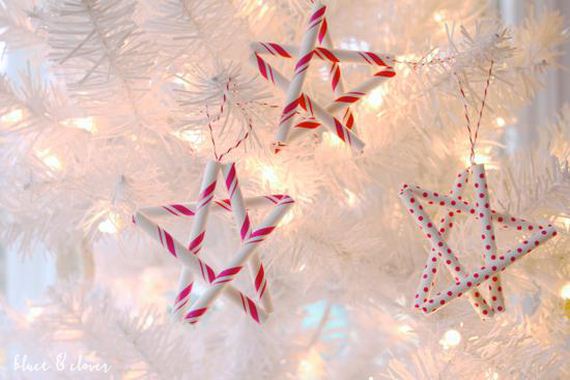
{"points": [[467, 283], [487, 276]]}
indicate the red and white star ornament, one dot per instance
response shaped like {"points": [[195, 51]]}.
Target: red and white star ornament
{"points": [[466, 282], [251, 237], [317, 31]]}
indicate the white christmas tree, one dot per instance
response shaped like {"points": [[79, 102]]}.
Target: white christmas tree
{"points": [[119, 104]]}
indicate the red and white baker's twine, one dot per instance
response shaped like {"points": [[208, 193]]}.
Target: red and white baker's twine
{"points": [[241, 140], [473, 135]]}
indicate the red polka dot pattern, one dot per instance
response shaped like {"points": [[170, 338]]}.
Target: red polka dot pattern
{"points": [[465, 283]]}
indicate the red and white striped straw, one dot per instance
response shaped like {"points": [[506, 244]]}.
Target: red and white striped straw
{"points": [[301, 67], [223, 279], [241, 217]]}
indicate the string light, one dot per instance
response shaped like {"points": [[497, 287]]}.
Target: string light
{"points": [[111, 224], [311, 367], [33, 313], [439, 17], [194, 137], [49, 159], [351, 198], [565, 291], [287, 218], [376, 97], [269, 174], [13, 116], [331, 140], [451, 338], [84, 123], [500, 122]]}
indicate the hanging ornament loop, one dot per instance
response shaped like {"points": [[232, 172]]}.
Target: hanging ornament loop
{"points": [[219, 157], [474, 132]]}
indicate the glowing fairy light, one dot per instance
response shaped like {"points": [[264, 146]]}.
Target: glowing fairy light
{"points": [[13, 116], [331, 140], [83, 123], [111, 224], [501, 122], [269, 174], [439, 17], [351, 198], [565, 291], [33, 313], [376, 97], [451, 338], [311, 366], [194, 137], [287, 218], [50, 160]]}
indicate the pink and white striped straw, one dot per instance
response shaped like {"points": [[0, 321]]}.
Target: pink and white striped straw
{"points": [[241, 217], [197, 234], [301, 66], [193, 262], [248, 247]]}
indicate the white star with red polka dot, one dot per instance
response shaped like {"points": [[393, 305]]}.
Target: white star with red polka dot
{"points": [[467, 283]]}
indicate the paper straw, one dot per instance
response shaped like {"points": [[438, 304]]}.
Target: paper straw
{"points": [[222, 280], [301, 66], [244, 225], [475, 298], [197, 234], [337, 83], [483, 210], [441, 247], [459, 206], [325, 54], [329, 121], [490, 272], [187, 210], [348, 98], [192, 261]]}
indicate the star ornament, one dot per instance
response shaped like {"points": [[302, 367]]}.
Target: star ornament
{"points": [[318, 115], [465, 282], [194, 265]]}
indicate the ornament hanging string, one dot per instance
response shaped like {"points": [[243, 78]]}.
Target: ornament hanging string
{"points": [[241, 140], [474, 133]]}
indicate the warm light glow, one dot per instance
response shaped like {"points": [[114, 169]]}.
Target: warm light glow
{"points": [[565, 291], [331, 139], [33, 313], [287, 218], [269, 174], [13, 116], [500, 122], [194, 137], [480, 158], [451, 338], [438, 17], [49, 159], [84, 123], [351, 198], [405, 329], [376, 97], [311, 367], [111, 224]]}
